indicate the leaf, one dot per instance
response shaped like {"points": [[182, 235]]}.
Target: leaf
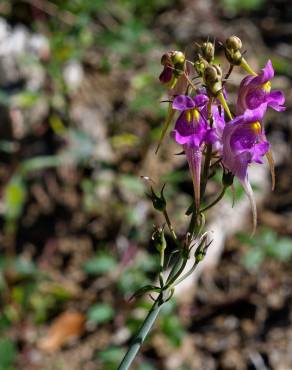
{"points": [[100, 264], [64, 328], [41, 162], [100, 313], [145, 289], [14, 197], [173, 329], [7, 354], [132, 184], [111, 354]]}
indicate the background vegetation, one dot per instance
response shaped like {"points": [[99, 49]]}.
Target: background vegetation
{"points": [[80, 119]]}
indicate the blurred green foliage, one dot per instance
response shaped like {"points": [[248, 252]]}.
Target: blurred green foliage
{"points": [[102, 263], [7, 354], [265, 244], [100, 313], [238, 5]]}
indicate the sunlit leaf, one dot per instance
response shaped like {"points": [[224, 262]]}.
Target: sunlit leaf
{"points": [[100, 313], [100, 264]]}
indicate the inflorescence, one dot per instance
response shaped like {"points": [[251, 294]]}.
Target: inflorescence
{"points": [[205, 127]]}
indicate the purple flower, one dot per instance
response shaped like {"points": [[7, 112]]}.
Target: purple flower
{"points": [[192, 131], [244, 142], [255, 91], [218, 124], [192, 127]]}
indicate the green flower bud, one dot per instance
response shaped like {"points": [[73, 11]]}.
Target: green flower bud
{"points": [[201, 250], [232, 50], [178, 57], [159, 239], [200, 66], [200, 253], [213, 79], [158, 202], [208, 51], [233, 56], [233, 43]]}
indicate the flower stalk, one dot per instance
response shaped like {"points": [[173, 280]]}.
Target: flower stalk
{"points": [[208, 142]]}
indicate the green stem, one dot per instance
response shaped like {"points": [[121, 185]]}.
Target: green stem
{"points": [[228, 73], [167, 219], [220, 196], [141, 335], [205, 174], [176, 271], [186, 274], [161, 268]]}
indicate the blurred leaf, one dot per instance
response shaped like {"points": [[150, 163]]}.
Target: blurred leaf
{"points": [[8, 146], [281, 65], [57, 125], [172, 328], [24, 266], [146, 366], [265, 244], [64, 327], [26, 99], [4, 98], [176, 177], [14, 197], [7, 354], [100, 264], [100, 313], [140, 274], [132, 183], [125, 140], [111, 354], [41, 162], [238, 5], [81, 145], [253, 259]]}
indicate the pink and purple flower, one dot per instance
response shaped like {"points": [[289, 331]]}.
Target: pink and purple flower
{"points": [[255, 91], [244, 142], [192, 131]]}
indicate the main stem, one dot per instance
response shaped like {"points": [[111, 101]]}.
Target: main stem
{"points": [[141, 335]]}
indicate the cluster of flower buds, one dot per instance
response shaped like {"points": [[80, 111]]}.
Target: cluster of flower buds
{"points": [[205, 127]]}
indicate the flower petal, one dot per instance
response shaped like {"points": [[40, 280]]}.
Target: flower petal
{"points": [[183, 102], [248, 190], [275, 100], [266, 74]]}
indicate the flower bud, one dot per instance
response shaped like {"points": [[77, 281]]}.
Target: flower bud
{"points": [[200, 66], [200, 251], [233, 43], [159, 202], [174, 67], [159, 239], [208, 51], [213, 73], [213, 79], [178, 57], [232, 50], [233, 56], [202, 248]]}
